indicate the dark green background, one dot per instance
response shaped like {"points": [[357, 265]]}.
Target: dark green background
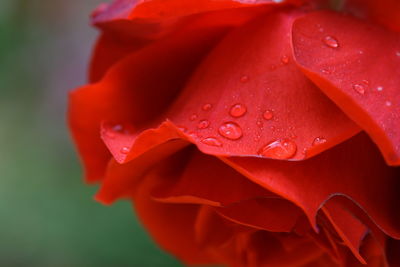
{"points": [[48, 216]]}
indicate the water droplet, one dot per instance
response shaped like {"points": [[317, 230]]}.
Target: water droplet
{"points": [[388, 103], [268, 114], [193, 117], [279, 149], [182, 128], [318, 141], [359, 88], [212, 141], [398, 53], [244, 78], [230, 130], [366, 82], [259, 124], [285, 59], [203, 124], [326, 71], [124, 150], [331, 42], [206, 107], [361, 52], [193, 134], [238, 110], [272, 128], [379, 88]]}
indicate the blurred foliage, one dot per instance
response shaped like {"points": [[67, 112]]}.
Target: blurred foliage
{"points": [[48, 216]]}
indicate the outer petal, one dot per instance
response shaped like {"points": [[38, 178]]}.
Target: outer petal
{"points": [[216, 185], [270, 214], [357, 65], [385, 12], [123, 179], [128, 26], [169, 224], [129, 92], [353, 169], [249, 94]]}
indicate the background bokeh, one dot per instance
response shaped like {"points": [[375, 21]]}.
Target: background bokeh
{"points": [[47, 214]]}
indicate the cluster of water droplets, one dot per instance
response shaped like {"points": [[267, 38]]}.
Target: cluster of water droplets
{"points": [[112, 131], [362, 87], [231, 130]]}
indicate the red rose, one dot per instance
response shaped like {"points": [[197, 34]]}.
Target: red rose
{"points": [[249, 133]]}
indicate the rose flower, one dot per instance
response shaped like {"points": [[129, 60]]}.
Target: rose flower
{"points": [[249, 133]]}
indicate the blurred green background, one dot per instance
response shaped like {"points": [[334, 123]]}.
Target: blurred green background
{"points": [[48, 216]]}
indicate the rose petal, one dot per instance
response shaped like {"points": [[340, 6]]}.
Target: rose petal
{"points": [[350, 229], [350, 169], [263, 250], [385, 12], [270, 214], [242, 96], [122, 179], [128, 26], [357, 65], [130, 93], [170, 225], [216, 185]]}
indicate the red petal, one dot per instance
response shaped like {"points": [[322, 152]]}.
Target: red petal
{"points": [[217, 184], [170, 225], [350, 229], [263, 251], [129, 92], [211, 230], [128, 26], [385, 12], [358, 66], [270, 214], [251, 82], [158, 9], [354, 169], [122, 179]]}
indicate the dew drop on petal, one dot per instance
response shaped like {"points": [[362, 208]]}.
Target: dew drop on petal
{"points": [[319, 141], [230, 130], [203, 124], [398, 53], [326, 71], [244, 78], [366, 82], [388, 103], [331, 42], [193, 117], [182, 128], [212, 141], [268, 114], [379, 88], [238, 110], [279, 149], [206, 107], [359, 88], [285, 59], [124, 150]]}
